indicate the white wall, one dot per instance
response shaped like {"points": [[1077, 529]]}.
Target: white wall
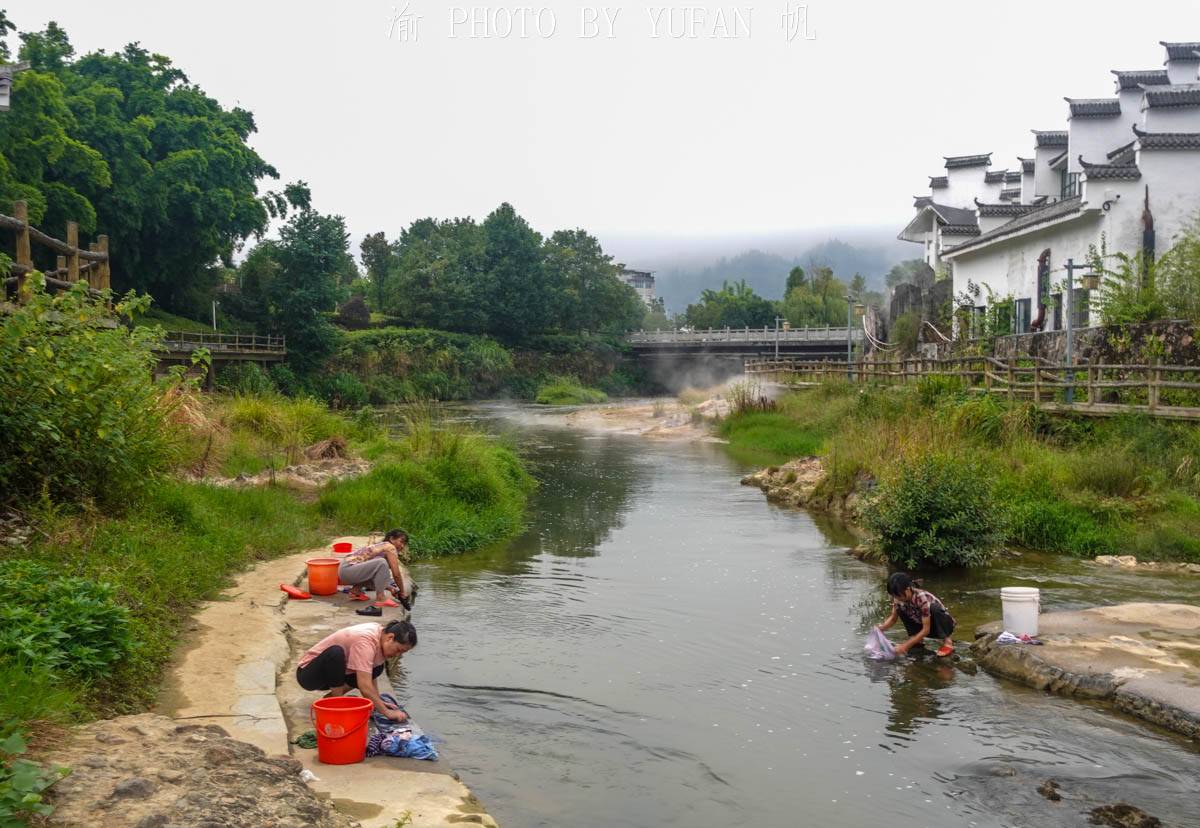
{"points": [[1028, 190], [1182, 71], [1174, 194], [1094, 138], [966, 185], [1046, 182], [1009, 267], [1171, 119]]}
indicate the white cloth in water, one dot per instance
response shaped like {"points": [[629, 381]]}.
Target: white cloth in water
{"points": [[878, 646]]}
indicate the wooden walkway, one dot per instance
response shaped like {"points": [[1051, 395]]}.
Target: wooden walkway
{"points": [[1094, 389]]}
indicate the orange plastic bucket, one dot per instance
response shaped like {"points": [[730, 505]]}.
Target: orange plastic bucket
{"points": [[322, 575], [343, 548], [341, 725]]}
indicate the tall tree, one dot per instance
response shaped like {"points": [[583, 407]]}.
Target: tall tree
{"points": [[376, 254], [313, 249], [515, 285], [734, 305], [796, 278], [591, 295]]}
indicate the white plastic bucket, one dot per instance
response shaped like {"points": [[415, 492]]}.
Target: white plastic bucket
{"points": [[1021, 606]]}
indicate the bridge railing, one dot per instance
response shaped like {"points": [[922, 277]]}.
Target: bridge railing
{"points": [[72, 263], [765, 334], [218, 342]]}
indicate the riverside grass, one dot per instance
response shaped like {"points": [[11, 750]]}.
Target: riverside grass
{"points": [[1079, 486], [568, 391], [178, 543]]}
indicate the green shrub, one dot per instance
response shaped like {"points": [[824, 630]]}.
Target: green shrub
{"points": [[244, 378], [568, 391], [67, 624], [81, 419], [22, 783], [344, 390], [938, 511]]}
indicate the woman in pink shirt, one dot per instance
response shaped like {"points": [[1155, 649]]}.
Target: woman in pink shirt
{"points": [[353, 658]]}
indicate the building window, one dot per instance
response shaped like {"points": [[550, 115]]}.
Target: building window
{"points": [[978, 318], [1023, 308], [1070, 183]]}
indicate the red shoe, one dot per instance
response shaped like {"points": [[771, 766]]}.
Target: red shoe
{"points": [[388, 603], [359, 596], [945, 650]]}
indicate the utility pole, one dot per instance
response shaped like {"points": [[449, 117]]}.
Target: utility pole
{"points": [[1071, 267]]}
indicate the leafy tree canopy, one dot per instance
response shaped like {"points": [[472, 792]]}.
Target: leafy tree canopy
{"points": [[734, 306]]}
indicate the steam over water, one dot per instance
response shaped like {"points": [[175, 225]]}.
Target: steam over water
{"points": [[662, 647]]}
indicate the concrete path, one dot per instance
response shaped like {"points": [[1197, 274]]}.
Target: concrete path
{"points": [[1144, 658], [240, 673]]}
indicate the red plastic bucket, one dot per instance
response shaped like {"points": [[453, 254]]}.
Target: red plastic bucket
{"points": [[341, 725], [343, 548], [322, 575]]}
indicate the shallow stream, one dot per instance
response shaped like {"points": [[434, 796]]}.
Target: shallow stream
{"points": [[662, 647]]}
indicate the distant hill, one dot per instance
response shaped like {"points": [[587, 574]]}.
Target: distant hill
{"points": [[767, 273]]}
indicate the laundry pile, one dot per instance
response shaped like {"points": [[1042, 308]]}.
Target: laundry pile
{"points": [[403, 739], [1009, 638]]}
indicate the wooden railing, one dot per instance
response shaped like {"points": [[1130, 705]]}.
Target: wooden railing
{"points": [[73, 262], [187, 341], [1096, 388]]}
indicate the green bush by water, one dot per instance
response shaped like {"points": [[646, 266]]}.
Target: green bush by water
{"points": [[568, 391], [452, 490], [937, 512]]}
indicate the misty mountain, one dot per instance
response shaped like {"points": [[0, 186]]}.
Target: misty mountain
{"points": [[767, 273]]}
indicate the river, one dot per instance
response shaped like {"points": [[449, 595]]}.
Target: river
{"points": [[662, 647]]}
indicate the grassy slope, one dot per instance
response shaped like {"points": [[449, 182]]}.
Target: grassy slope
{"points": [[1078, 486], [179, 544], [568, 391]]}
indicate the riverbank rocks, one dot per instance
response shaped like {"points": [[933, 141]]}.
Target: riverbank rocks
{"points": [[312, 475], [1137, 657], [1130, 562], [797, 483], [150, 771]]}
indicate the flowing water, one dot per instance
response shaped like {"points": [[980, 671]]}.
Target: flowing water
{"points": [[662, 647]]}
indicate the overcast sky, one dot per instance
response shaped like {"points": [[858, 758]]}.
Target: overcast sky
{"points": [[634, 135]]}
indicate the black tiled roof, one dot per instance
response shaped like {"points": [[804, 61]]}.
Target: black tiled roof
{"points": [[960, 230], [1011, 193], [1179, 94], [957, 216], [1050, 138], [994, 176], [954, 162], [1012, 177], [1167, 140], [1049, 212], [1026, 165], [1134, 78], [937, 182], [1006, 209], [1181, 50], [1123, 172], [1120, 152], [1093, 107]]}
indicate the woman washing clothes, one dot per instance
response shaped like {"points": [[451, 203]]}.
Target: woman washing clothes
{"points": [[378, 565], [351, 659]]}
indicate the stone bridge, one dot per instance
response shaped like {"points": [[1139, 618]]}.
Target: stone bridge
{"points": [[681, 358]]}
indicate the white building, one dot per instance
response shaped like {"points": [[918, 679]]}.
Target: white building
{"points": [[641, 281], [1123, 176]]}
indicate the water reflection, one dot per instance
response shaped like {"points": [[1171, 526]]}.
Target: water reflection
{"points": [[664, 648]]}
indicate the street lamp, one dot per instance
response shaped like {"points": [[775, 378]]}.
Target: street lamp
{"points": [[1090, 281], [6, 82]]}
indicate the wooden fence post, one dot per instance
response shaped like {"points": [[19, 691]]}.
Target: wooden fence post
{"points": [[93, 267], [60, 263], [1153, 380], [24, 253], [1011, 380], [73, 253], [1037, 384], [105, 269]]}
